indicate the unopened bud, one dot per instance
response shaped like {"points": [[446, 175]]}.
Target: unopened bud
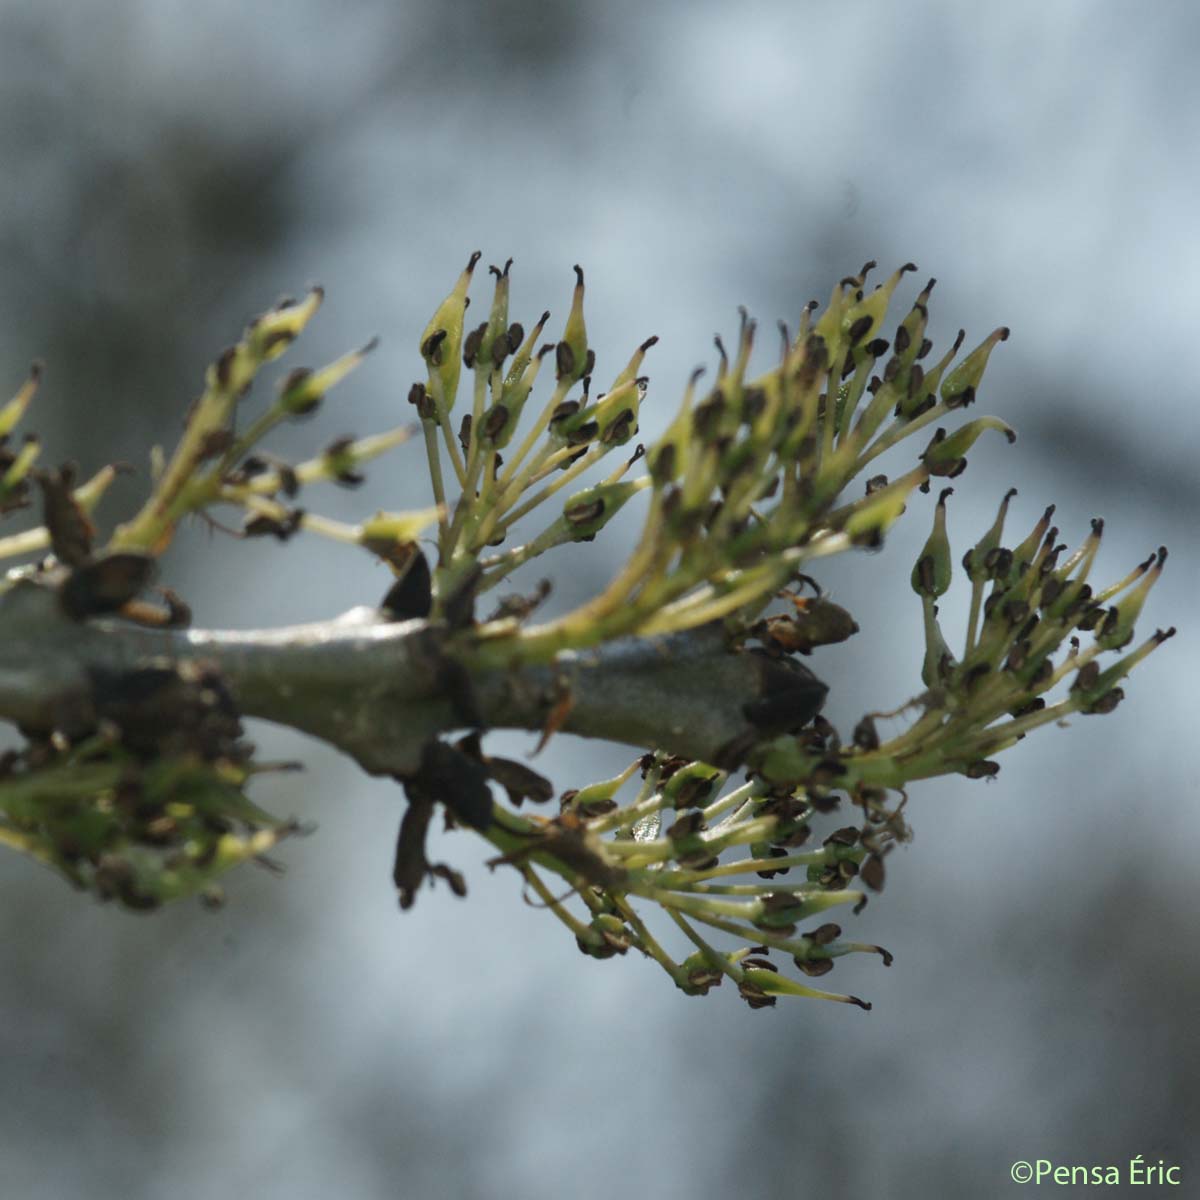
{"points": [[962, 383], [441, 342], [572, 358], [931, 575], [946, 455], [975, 560], [269, 335]]}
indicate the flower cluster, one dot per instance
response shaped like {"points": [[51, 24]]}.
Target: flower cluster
{"points": [[146, 802], [746, 487], [142, 797], [709, 854]]}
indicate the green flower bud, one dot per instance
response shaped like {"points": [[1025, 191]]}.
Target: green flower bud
{"points": [[1024, 554], [16, 468], [523, 354], [669, 457], [918, 394], [269, 335], [441, 341], [781, 910], [630, 372], [1116, 631], [784, 760], [861, 320], [962, 383], [1095, 691], [909, 344], [870, 518], [975, 559], [945, 455], [572, 357], [14, 410], [501, 420], [931, 575], [939, 662], [832, 325], [612, 419], [494, 346], [596, 799], [584, 515], [692, 786], [609, 935], [700, 973], [302, 390]]}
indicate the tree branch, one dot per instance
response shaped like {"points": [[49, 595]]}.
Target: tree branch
{"points": [[379, 690]]}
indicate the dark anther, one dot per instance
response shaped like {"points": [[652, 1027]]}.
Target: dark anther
{"points": [[262, 525], [621, 430], [824, 934], [289, 481], [584, 514], [859, 329], [422, 401], [431, 348], [1107, 702], [582, 434], [471, 344], [982, 769], [707, 415], [568, 408], [224, 366], [495, 421]]}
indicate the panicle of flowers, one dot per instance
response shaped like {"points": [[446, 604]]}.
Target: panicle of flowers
{"points": [[717, 858], [749, 485], [142, 798], [150, 806], [1031, 609], [743, 485], [746, 487]]}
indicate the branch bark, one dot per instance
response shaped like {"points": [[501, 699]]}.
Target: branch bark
{"points": [[379, 690]]}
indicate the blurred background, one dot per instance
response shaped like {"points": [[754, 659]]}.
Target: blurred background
{"points": [[174, 167]]}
